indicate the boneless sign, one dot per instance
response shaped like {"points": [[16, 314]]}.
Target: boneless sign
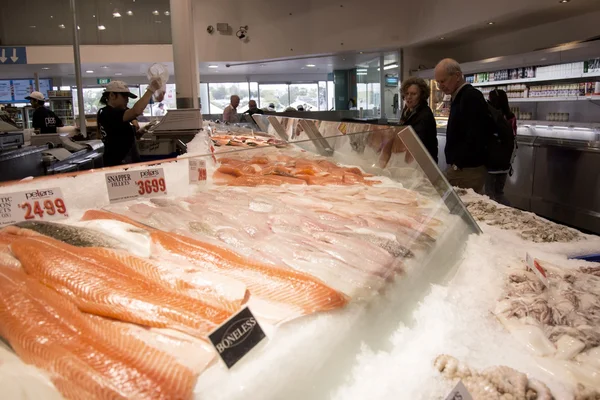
{"points": [[41, 205], [124, 186]]}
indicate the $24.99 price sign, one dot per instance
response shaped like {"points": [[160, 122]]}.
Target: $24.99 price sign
{"points": [[32, 205], [129, 185]]}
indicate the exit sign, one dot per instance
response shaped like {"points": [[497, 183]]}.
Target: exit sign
{"points": [[103, 81]]}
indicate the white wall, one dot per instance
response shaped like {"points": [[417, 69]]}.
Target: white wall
{"points": [[314, 27], [100, 54]]}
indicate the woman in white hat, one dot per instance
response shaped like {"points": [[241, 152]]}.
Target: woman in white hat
{"points": [[44, 119], [115, 120]]}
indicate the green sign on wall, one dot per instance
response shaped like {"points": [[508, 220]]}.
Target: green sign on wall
{"points": [[103, 81]]}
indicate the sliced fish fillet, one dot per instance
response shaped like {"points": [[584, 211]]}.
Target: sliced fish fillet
{"points": [[102, 286], [85, 359], [277, 284], [221, 293]]}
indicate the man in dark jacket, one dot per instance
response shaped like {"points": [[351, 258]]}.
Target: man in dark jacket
{"points": [[469, 127]]}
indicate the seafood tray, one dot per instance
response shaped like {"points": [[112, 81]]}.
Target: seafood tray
{"points": [[310, 244]]}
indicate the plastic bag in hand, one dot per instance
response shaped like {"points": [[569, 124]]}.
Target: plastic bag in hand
{"points": [[158, 71]]}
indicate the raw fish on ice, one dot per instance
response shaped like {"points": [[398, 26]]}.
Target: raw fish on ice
{"points": [[298, 291], [100, 285], [85, 358]]}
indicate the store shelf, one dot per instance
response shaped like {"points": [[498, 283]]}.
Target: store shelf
{"points": [[546, 99], [529, 80]]}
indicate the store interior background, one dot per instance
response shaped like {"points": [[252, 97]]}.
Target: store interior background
{"points": [[294, 49]]}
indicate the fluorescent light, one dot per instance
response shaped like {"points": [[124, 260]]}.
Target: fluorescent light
{"points": [[130, 13], [45, 68], [361, 70], [564, 1], [361, 73], [167, 13], [391, 66], [62, 26], [442, 38], [104, 67], [490, 23], [101, 27], [32, 26], [118, 73], [310, 65], [89, 72], [155, 12], [116, 14], [213, 66], [78, 28]]}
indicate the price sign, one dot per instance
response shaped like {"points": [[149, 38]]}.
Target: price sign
{"points": [[537, 269], [39, 205], [197, 171], [460, 392], [124, 186]]}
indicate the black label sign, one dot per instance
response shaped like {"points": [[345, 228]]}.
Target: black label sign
{"points": [[236, 337]]}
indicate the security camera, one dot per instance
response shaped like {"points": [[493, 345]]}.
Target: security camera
{"points": [[242, 33]]}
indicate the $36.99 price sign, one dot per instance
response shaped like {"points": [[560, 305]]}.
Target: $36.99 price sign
{"points": [[129, 185], [32, 205], [197, 171]]}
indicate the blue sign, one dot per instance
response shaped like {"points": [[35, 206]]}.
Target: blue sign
{"points": [[13, 55], [15, 91]]}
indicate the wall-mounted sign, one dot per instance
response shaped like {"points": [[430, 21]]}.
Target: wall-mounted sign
{"points": [[13, 55], [103, 81], [15, 90]]}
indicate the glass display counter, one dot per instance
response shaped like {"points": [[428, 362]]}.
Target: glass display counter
{"points": [[329, 233]]}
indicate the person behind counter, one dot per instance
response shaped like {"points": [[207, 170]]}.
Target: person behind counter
{"points": [[115, 121], [253, 108], [496, 180], [43, 119], [417, 113], [230, 114]]}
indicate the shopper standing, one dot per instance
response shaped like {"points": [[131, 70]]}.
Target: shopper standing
{"points": [[469, 128], [253, 108], [230, 114], [43, 119], [496, 178], [115, 120], [417, 113]]}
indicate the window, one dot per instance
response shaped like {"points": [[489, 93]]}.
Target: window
{"points": [[277, 94], [152, 109], [305, 95], [323, 96], [330, 95], [204, 103], [91, 100], [220, 96]]}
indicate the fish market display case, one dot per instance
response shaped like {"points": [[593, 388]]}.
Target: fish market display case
{"points": [[329, 233], [555, 172]]}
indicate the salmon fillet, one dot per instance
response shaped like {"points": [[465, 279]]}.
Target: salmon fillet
{"points": [[85, 359], [256, 180], [150, 270], [277, 284], [99, 285]]}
